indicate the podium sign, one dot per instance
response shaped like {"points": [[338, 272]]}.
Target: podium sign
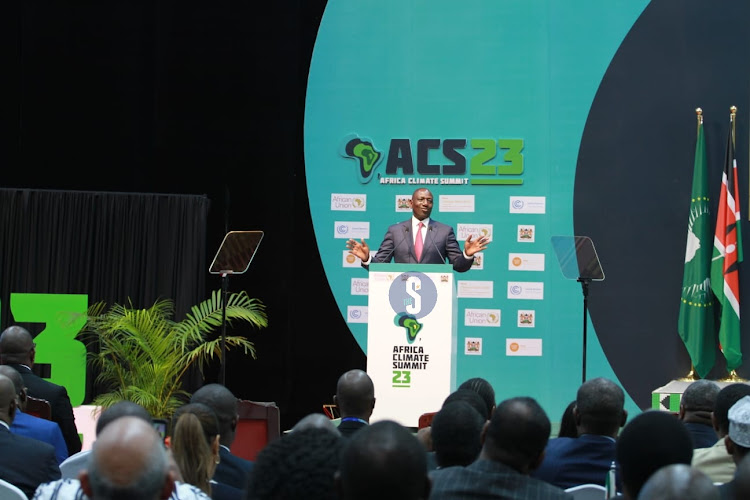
{"points": [[411, 339]]}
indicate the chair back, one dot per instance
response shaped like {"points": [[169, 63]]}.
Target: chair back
{"points": [[11, 492], [587, 492], [39, 408], [258, 425], [425, 420]]}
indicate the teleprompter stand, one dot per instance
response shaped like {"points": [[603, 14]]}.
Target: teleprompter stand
{"points": [[233, 257], [578, 261]]}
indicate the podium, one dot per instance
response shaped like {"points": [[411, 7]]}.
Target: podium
{"points": [[411, 339]]}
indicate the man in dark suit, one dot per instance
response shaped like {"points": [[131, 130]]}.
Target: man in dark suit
{"points": [[28, 425], [24, 462], [513, 446], [355, 398], [421, 240], [232, 470], [599, 414], [18, 350]]}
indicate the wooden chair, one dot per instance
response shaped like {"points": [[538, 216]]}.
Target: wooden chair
{"points": [[258, 425], [39, 408]]}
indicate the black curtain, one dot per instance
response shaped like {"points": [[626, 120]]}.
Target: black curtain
{"points": [[115, 247]]}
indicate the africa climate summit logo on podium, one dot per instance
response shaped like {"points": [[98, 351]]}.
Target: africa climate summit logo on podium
{"points": [[412, 296]]}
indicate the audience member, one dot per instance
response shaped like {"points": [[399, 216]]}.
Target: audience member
{"points": [[514, 442], [70, 486], [737, 440], [568, 428], [231, 470], [599, 414], [76, 463], [696, 405], [649, 442], [300, 464], [678, 482], [715, 461], [316, 421], [473, 398], [484, 389], [355, 398], [456, 432], [383, 460], [24, 462], [195, 447], [28, 425], [128, 460], [18, 350]]}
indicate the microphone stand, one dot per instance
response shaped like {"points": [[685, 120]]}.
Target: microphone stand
{"points": [[224, 293]]}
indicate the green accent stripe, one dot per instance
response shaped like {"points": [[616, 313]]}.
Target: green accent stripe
{"points": [[674, 402], [655, 398]]}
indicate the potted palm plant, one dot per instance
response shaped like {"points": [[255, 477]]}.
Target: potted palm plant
{"points": [[143, 354]]}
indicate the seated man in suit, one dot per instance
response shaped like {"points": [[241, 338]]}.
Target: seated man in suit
{"points": [[231, 470], [17, 349], [696, 405], [456, 433], [24, 462], [599, 413], [421, 240], [514, 442], [31, 426], [383, 460], [355, 398]]}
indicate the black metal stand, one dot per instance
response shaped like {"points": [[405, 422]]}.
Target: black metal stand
{"points": [[585, 286], [224, 293]]}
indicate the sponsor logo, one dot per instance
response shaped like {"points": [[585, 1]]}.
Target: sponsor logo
{"points": [[528, 204], [482, 317], [353, 202], [364, 154]]}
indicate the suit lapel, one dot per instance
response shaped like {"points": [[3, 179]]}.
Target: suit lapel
{"points": [[409, 239]]}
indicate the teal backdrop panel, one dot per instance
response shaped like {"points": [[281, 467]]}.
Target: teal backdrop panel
{"points": [[484, 103]]}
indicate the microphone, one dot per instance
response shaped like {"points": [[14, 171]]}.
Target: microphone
{"points": [[435, 245], [387, 257]]}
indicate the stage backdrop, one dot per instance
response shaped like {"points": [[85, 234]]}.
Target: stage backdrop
{"points": [[526, 120]]}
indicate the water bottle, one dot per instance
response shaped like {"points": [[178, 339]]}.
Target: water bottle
{"points": [[610, 483]]}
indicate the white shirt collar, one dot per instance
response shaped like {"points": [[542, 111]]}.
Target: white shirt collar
{"points": [[4, 424]]}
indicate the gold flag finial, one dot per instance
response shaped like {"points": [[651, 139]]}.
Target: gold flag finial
{"points": [[699, 115]]}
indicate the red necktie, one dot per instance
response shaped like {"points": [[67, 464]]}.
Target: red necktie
{"points": [[418, 243]]}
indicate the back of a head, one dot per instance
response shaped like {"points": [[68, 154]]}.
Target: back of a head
{"points": [[221, 401], [14, 377], [600, 406], [355, 394], [484, 389], [517, 433], [726, 398], [383, 460], [194, 429], [16, 344], [650, 441], [300, 464], [568, 427], [679, 482], [316, 421], [700, 396], [121, 409], [456, 434], [472, 398], [128, 460], [7, 399]]}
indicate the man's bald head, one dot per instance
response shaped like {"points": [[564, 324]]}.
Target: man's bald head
{"points": [[128, 460], [355, 394], [7, 400], [18, 386], [16, 346]]}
